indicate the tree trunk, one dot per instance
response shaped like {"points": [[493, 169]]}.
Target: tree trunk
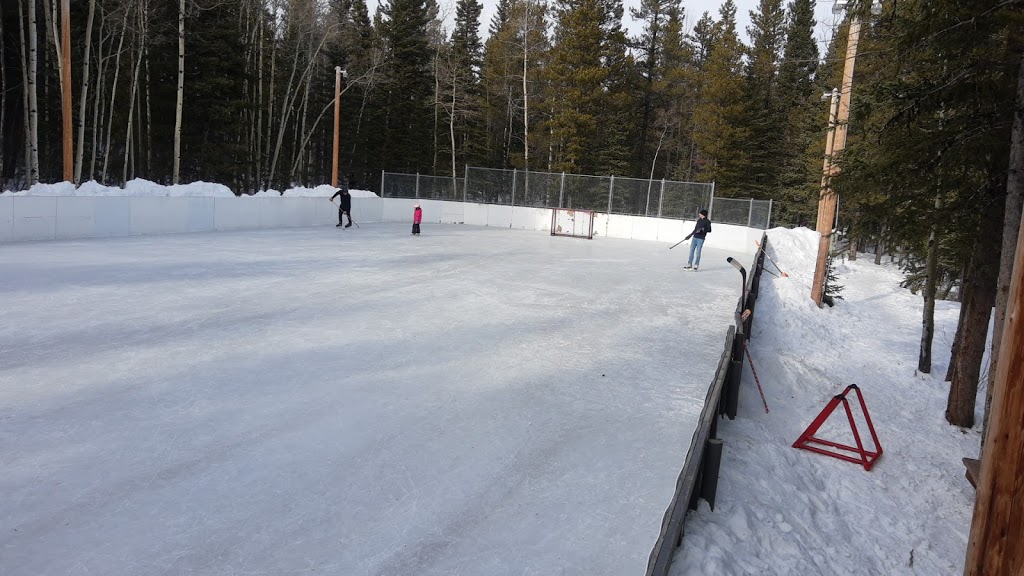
{"points": [[270, 108], [1011, 225], [100, 73], [853, 248], [878, 247], [113, 95], [924, 361], [954, 354], [256, 144], [33, 100], [132, 95], [176, 174], [451, 120], [3, 99], [972, 333], [24, 93], [149, 110], [526, 92], [79, 152]]}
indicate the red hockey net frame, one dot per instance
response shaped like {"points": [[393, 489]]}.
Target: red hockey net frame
{"points": [[589, 234]]}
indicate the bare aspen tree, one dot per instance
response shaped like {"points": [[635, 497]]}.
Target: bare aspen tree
{"points": [[526, 92], [288, 102], [149, 111], [176, 174], [113, 93], [133, 91], [33, 101], [24, 92], [98, 98], [3, 99], [84, 95], [271, 102]]}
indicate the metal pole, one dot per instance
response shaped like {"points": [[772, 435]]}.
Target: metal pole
{"points": [[611, 191], [561, 190], [750, 213], [465, 185], [417, 184], [661, 197], [69, 156], [514, 174], [647, 207], [337, 125], [711, 203], [381, 183], [768, 222]]}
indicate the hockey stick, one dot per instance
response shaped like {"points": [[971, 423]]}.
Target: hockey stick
{"points": [[349, 214], [756, 379], [677, 244], [761, 249]]}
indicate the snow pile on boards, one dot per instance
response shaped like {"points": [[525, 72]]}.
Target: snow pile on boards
{"points": [[141, 187], [786, 511]]}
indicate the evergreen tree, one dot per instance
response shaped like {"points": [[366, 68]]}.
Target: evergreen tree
{"points": [[800, 110], [408, 117], [585, 75], [464, 92], [652, 47], [719, 133], [765, 113]]}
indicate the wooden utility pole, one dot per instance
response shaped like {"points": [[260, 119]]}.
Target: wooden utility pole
{"points": [[826, 170], [69, 152], [828, 198], [337, 124], [996, 545]]}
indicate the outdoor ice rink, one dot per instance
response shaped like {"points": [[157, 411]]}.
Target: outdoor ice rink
{"points": [[319, 401]]}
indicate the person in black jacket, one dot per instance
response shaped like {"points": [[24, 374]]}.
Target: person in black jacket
{"points": [[699, 232], [345, 205]]}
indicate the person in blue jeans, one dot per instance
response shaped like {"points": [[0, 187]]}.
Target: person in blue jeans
{"points": [[700, 231]]}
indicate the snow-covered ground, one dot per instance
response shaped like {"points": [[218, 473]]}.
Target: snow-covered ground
{"points": [[140, 187], [325, 401], [786, 511]]}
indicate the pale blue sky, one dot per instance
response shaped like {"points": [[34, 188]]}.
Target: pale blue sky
{"points": [[694, 9]]}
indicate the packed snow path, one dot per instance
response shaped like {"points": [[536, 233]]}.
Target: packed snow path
{"points": [[472, 401]]}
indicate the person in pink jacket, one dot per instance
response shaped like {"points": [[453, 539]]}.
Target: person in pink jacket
{"points": [[417, 217]]}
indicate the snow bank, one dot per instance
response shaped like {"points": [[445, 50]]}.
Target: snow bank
{"points": [[786, 511], [140, 187]]}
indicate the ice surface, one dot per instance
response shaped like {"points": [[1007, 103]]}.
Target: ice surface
{"points": [[472, 401]]}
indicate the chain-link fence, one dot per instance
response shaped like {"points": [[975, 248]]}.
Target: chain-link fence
{"points": [[742, 211], [614, 195], [419, 186]]}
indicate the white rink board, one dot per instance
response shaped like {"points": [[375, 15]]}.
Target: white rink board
{"points": [[311, 400]]}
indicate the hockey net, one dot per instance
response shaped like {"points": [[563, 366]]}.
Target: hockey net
{"points": [[576, 223]]}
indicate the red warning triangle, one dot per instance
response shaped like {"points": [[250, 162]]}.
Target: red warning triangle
{"points": [[856, 454]]}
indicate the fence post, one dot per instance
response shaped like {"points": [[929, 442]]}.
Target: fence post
{"points": [[381, 183], [561, 190], [514, 174], [611, 191], [711, 204], [417, 184], [661, 197], [465, 184], [750, 213], [768, 222]]}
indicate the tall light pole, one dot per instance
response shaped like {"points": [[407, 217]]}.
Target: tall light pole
{"points": [[65, 25], [338, 74], [837, 142]]}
